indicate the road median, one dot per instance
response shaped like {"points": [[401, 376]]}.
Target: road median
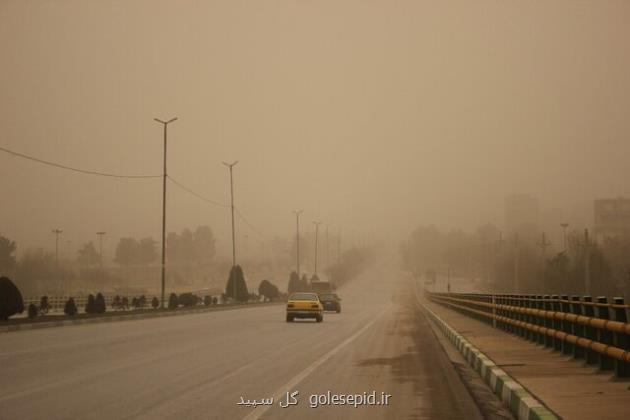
{"points": [[114, 316]]}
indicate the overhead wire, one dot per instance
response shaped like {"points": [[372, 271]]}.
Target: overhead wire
{"points": [[252, 227], [201, 197], [113, 175], [70, 168]]}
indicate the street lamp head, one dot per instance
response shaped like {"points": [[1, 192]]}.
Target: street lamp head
{"points": [[229, 165], [165, 122]]}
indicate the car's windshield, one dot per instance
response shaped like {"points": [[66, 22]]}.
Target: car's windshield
{"points": [[303, 296], [327, 296]]}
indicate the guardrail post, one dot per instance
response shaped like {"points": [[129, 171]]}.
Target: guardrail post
{"points": [[503, 313], [590, 332], [556, 324], [528, 334], [548, 321], [531, 319], [520, 301], [621, 340], [494, 311], [507, 301], [604, 336], [577, 329], [540, 321], [567, 348]]}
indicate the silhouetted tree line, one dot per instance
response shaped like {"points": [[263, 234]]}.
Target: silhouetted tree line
{"points": [[497, 260], [352, 263]]}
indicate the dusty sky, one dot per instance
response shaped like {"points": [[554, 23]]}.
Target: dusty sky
{"points": [[369, 115]]}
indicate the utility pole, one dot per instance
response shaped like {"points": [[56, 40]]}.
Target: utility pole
{"points": [[57, 232], [230, 167], [297, 239], [543, 244], [498, 246], [587, 262], [165, 124], [100, 243], [516, 261], [246, 250], [564, 227], [316, 242]]}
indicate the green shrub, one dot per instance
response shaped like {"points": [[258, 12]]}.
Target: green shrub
{"points": [[173, 302], [32, 311], [90, 307], [187, 299], [70, 308], [44, 306], [11, 302], [99, 304], [236, 283], [268, 290]]}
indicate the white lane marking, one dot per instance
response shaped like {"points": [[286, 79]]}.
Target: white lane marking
{"points": [[280, 392]]}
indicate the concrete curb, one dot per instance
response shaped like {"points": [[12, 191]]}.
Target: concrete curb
{"points": [[128, 317], [521, 403]]}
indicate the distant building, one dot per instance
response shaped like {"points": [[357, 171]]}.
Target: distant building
{"points": [[612, 217], [522, 213]]}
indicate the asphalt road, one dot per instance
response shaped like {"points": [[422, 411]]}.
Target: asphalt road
{"points": [[199, 366]]}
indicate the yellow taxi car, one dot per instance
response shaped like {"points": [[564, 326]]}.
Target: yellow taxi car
{"points": [[304, 305]]}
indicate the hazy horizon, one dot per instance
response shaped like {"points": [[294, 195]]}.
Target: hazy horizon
{"points": [[372, 117]]}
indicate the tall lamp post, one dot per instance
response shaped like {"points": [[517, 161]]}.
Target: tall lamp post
{"points": [[100, 245], [230, 167], [164, 176], [297, 242], [564, 227], [316, 241], [57, 232]]}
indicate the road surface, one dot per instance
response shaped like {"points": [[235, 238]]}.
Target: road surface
{"points": [[199, 366]]}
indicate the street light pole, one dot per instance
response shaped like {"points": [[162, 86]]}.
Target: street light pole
{"points": [[164, 176], [297, 235], [587, 262], [57, 232], [564, 235], [100, 244], [316, 240], [230, 166]]}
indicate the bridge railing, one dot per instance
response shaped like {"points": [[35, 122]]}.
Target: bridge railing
{"points": [[597, 331]]}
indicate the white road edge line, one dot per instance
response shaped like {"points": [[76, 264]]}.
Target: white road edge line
{"points": [[260, 410]]}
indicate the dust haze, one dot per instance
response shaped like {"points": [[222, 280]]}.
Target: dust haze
{"points": [[371, 116]]}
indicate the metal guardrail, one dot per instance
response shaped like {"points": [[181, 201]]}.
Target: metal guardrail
{"points": [[596, 332]]}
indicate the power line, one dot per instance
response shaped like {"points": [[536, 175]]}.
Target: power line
{"points": [[201, 197], [69, 168], [238, 212]]}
